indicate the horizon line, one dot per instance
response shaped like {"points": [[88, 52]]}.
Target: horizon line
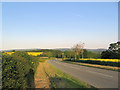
{"points": [[46, 48]]}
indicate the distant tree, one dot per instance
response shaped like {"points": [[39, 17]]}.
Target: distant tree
{"points": [[63, 56], [79, 50], [85, 53], [57, 53], [49, 54], [69, 54], [91, 54], [13, 50], [42, 55]]}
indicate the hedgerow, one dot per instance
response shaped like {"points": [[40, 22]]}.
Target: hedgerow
{"points": [[18, 70]]}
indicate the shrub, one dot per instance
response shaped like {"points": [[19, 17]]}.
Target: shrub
{"points": [[17, 68]]}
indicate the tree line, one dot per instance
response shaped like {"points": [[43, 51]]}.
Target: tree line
{"points": [[78, 51], [70, 54]]}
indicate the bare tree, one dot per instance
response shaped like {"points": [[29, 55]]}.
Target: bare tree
{"points": [[78, 49]]}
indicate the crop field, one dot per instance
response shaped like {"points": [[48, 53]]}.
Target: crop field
{"points": [[34, 53], [9, 53], [106, 60], [29, 53]]}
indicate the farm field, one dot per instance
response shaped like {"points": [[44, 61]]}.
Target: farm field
{"points": [[106, 60], [112, 64], [94, 59], [48, 69], [29, 53]]}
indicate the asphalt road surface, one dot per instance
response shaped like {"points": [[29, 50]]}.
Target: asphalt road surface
{"points": [[99, 78]]}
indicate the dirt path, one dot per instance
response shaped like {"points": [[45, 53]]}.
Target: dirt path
{"points": [[41, 78]]}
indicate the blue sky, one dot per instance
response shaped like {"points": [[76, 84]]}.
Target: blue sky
{"points": [[59, 25]]}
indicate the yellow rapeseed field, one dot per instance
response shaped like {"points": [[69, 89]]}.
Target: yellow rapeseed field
{"points": [[29, 53], [34, 53], [110, 60], [9, 53]]}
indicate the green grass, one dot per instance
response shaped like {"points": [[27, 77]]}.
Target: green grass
{"points": [[60, 79]]}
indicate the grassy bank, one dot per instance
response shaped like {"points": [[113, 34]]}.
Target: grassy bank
{"points": [[59, 79], [48, 76]]}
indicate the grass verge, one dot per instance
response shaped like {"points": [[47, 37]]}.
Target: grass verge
{"points": [[60, 79]]}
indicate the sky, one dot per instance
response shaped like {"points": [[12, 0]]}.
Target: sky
{"points": [[59, 25]]}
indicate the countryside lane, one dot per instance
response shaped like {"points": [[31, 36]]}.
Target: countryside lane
{"points": [[99, 78]]}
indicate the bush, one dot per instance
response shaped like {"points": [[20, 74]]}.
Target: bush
{"points": [[17, 69]]}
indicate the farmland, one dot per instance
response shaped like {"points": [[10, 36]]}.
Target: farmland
{"points": [[105, 60], [34, 53], [59, 44], [86, 59], [112, 64], [49, 68], [29, 53]]}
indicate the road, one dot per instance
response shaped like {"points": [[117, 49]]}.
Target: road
{"points": [[99, 78]]}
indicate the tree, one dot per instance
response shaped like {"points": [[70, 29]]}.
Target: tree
{"points": [[79, 50], [113, 51], [69, 54], [63, 56], [13, 50], [49, 54]]}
